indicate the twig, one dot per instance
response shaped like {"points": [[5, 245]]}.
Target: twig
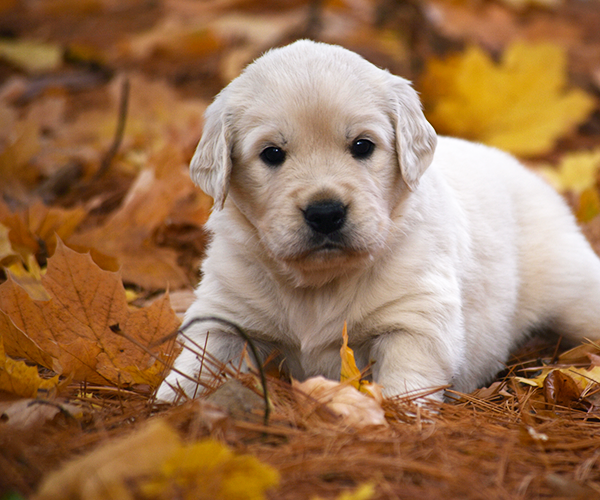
{"points": [[119, 132]]}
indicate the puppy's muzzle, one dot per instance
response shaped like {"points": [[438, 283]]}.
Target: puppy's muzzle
{"points": [[325, 217]]}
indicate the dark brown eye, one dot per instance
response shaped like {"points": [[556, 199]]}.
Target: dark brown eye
{"points": [[273, 156], [361, 149]]}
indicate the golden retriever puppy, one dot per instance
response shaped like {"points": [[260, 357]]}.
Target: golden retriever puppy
{"points": [[335, 201]]}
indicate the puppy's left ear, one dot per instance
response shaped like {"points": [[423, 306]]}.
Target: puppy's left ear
{"points": [[415, 137], [211, 164]]}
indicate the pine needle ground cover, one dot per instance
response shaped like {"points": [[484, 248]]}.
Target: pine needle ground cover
{"points": [[101, 237]]}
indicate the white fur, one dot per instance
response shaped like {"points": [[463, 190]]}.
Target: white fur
{"points": [[450, 259]]}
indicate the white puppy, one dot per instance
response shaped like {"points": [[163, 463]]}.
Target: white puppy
{"points": [[333, 204]]}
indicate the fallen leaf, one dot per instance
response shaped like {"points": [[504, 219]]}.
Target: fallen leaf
{"points": [[108, 471], [351, 374], [576, 171], [589, 205], [31, 412], [153, 463], [7, 253], [363, 492], [29, 277], [31, 56], [560, 389], [208, 469], [19, 378], [127, 234], [355, 408], [565, 386], [520, 105], [80, 324], [40, 224]]}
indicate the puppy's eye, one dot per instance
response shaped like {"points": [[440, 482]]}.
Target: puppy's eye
{"points": [[362, 149], [273, 156]]}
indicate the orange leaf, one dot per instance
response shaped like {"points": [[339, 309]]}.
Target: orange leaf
{"points": [[74, 325]]}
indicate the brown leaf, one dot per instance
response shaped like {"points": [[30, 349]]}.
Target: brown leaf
{"points": [[74, 326], [128, 234], [560, 389]]}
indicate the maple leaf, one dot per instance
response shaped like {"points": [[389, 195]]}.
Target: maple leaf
{"points": [[77, 325], [520, 105]]}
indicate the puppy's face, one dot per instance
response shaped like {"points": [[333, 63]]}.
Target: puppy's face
{"points": [[306, 143]]}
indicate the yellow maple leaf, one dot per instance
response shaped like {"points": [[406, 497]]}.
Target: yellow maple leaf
{"points": [[520, 104]]}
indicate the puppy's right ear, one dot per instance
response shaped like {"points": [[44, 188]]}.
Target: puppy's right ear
{"points": [[210, 167]]}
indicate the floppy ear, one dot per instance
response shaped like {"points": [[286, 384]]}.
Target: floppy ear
{"points": [[210, 167], [415, 137]]}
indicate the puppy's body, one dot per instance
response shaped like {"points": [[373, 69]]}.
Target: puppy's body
{"points": [[440, 263]]}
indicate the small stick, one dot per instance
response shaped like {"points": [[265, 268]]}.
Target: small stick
{"points": [[119, 132]]}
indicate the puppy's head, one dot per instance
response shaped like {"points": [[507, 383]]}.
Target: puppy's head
{"points": [[316, 147]]}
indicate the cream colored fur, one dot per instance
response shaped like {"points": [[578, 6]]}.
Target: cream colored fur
{"points": [[450, 255]]}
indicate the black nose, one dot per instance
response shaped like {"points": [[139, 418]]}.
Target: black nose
{"points": [[325, 217]]}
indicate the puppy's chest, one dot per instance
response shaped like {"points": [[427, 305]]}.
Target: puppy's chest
{"points": [[314, 322]]}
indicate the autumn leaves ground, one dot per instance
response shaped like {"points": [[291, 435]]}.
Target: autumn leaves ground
{"points": [[80, 334]]}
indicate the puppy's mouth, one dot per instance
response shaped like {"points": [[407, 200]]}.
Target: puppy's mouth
{"points": [[326, 250]]}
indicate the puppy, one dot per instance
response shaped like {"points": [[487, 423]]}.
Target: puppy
{"points": [[333, 203]]}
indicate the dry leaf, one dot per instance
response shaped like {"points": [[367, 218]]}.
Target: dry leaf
{"points": [[78, 325], [351, 374], [560, 389], [154, 463], [576, 171], [31, 56], [209, 470], [520, 105], [128, 233], [363, 492], [40, 223], [31, 412], [565, 384], [7, 253], [18, 378], [355, 408]]}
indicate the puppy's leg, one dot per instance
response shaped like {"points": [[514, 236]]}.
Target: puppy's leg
{"points": [[409, 362], [199, 360]]}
